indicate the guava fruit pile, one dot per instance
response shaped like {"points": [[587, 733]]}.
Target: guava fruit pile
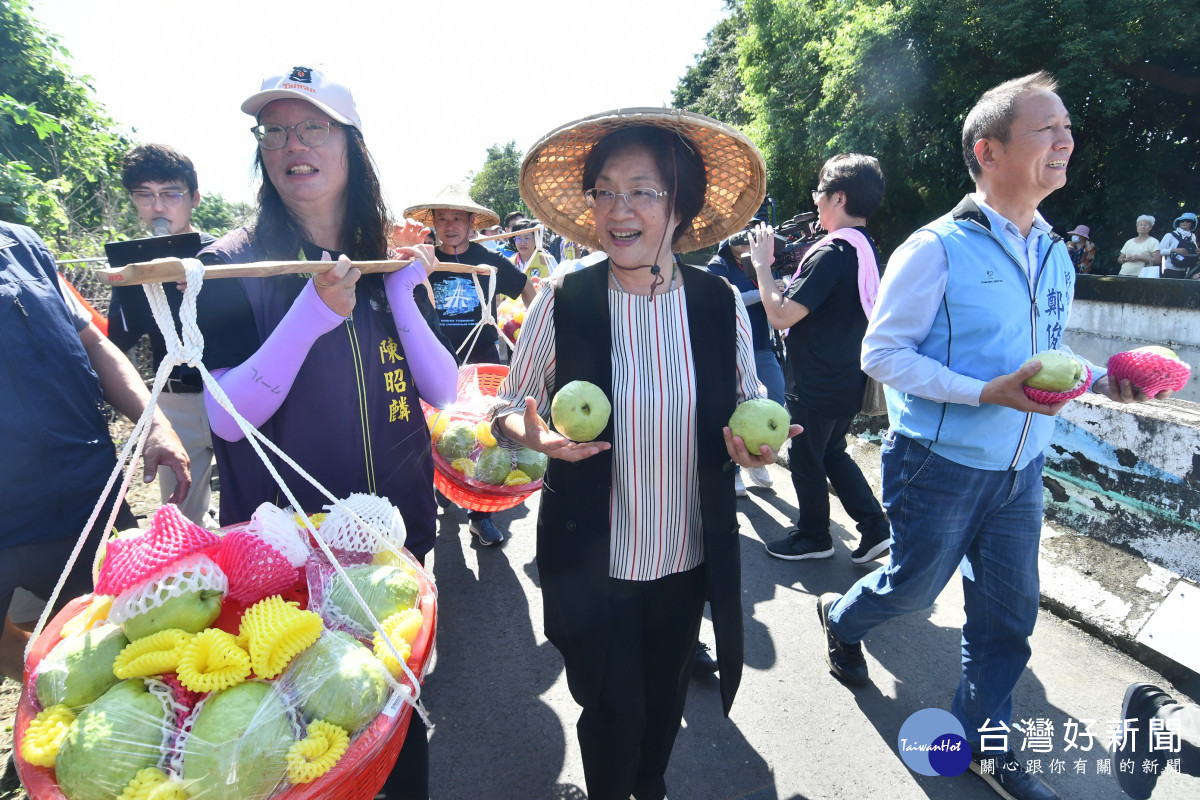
{"points": [[466, 444], [510, 316], [203, 669]]}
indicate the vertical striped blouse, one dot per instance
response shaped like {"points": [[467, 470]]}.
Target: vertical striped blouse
{"points": [[655, 503]]}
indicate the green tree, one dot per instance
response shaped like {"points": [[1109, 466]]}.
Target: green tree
{"points": [[218, 216], [497, 184], [712, 85], [895, 80], [51, 123]]}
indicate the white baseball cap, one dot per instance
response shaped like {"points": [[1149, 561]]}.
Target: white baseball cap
{"points": [[308, 84]]}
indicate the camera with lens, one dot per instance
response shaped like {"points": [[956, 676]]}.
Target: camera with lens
{"points": [[793, 238]]}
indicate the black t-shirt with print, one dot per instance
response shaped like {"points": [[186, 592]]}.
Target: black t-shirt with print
{"points": [[457, 301]]}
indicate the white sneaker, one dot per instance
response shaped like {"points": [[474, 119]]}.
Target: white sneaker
{"points": [[739, 488], [761, 477]]}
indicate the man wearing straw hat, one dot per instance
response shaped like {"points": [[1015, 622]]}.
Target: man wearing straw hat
{"points": [[454, 215]]}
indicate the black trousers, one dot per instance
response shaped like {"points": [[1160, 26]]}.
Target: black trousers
{"points": [[627, 736], [819, 454]]}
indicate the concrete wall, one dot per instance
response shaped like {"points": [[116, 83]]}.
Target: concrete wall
{"points": [[1112, 314]]}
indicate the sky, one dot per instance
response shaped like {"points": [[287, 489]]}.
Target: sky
{"points": [[436, 83]]}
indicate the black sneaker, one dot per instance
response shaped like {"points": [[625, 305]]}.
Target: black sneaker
{"points": [[1008, 778], [485, 531], [872, 545], [704, 662], [1141, 702], [845, 661], [798, 546]]}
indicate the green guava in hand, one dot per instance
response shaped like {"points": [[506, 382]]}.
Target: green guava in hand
{"points": [[111, 741], [1059, 372], [531, 462], [238, 746], [761, 422], [190, 612], [80, 668], [339, 680], [1158, 350], [386, 589], [580, 411], [457, 441], [493, 465]]}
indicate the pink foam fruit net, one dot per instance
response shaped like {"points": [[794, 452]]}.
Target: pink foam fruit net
{"points": [[1150, 372], [130, 561], [255, 568]]}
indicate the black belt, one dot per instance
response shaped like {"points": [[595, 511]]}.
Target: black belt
{"points": [[176, 386]]}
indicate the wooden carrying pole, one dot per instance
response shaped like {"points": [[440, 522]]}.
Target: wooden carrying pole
{"points": [[164, 270]]}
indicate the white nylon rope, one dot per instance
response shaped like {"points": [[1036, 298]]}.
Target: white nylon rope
{"points": [[190, 350]]}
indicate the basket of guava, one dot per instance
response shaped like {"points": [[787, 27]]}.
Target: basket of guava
{"points": [[1062, 377], [471, 467], [199, 670]]}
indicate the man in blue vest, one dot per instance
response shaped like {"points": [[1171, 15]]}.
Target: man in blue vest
{"points": [[963, 304]]}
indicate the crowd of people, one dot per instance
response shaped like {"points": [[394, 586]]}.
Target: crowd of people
{"points": [[633, 538], [1175, 255]]}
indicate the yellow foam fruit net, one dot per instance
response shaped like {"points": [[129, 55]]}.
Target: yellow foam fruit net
{"points": [[483, 432], [45, 735], [95, 613], [402, 628], [152, 783], [155, 654], [439, 422], [464, 465], [517, 478], [317, 753], [275, 631], [213, 661]]}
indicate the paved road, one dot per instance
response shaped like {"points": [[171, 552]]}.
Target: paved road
{"points": [[505, 721]]}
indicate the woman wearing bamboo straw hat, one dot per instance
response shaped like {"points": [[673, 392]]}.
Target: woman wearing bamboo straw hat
{"points": [[638, 528], [331, 367]]}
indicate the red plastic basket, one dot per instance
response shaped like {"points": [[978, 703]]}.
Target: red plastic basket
{"points": [[475, 381], [360, 773]]}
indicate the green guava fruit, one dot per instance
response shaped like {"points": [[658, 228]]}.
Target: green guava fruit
{"points": [[1158, 350], [531, 462], [1059, 372], [190, 612], [580, 411], [386, 589], [339, 680], [457, 441], [80, 668], [238, 746], [111, 741], [760, 422], [493, 465]]}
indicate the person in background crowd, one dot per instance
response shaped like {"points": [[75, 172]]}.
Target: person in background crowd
{"points": [[531, 259], [454, 214], [827, 317], [57, 372], [1082, 249], [162, 185], [964, 303], [727, 264], [1139, 252], [1178, 248], [637, 528], [332, 367]]}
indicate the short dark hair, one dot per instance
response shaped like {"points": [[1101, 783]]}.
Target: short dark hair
{"points": [[992, 116], [678, 162], [860, 177], [364, 234], [513, 215], [159, 163]]}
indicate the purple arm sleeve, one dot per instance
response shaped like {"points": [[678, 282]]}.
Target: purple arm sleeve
{"points": [[432, 366], [258, 386]]}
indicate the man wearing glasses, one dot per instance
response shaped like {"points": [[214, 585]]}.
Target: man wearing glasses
{"points": [[162, 186]]}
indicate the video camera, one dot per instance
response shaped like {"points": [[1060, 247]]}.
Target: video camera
{"points": [[793, 238]]}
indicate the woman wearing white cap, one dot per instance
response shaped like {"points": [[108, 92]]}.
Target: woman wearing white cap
{"points": [[1139, 252], [638, 528], [331, 367]]}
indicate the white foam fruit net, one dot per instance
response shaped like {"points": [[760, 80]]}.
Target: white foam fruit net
{"points": [[192, 573], [277, 528], [342, 531]]}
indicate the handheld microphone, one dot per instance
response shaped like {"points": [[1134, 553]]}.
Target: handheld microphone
{"points": [[161, 227]]}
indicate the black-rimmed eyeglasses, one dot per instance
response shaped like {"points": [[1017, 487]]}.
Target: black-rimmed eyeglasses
{"points": [[310, 132], [637, 199]]}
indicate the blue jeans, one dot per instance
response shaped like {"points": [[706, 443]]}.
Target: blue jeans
{"points": [[946, 516], [770, 375]]}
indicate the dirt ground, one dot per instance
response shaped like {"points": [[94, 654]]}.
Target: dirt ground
{"points": [[143, 499]]}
